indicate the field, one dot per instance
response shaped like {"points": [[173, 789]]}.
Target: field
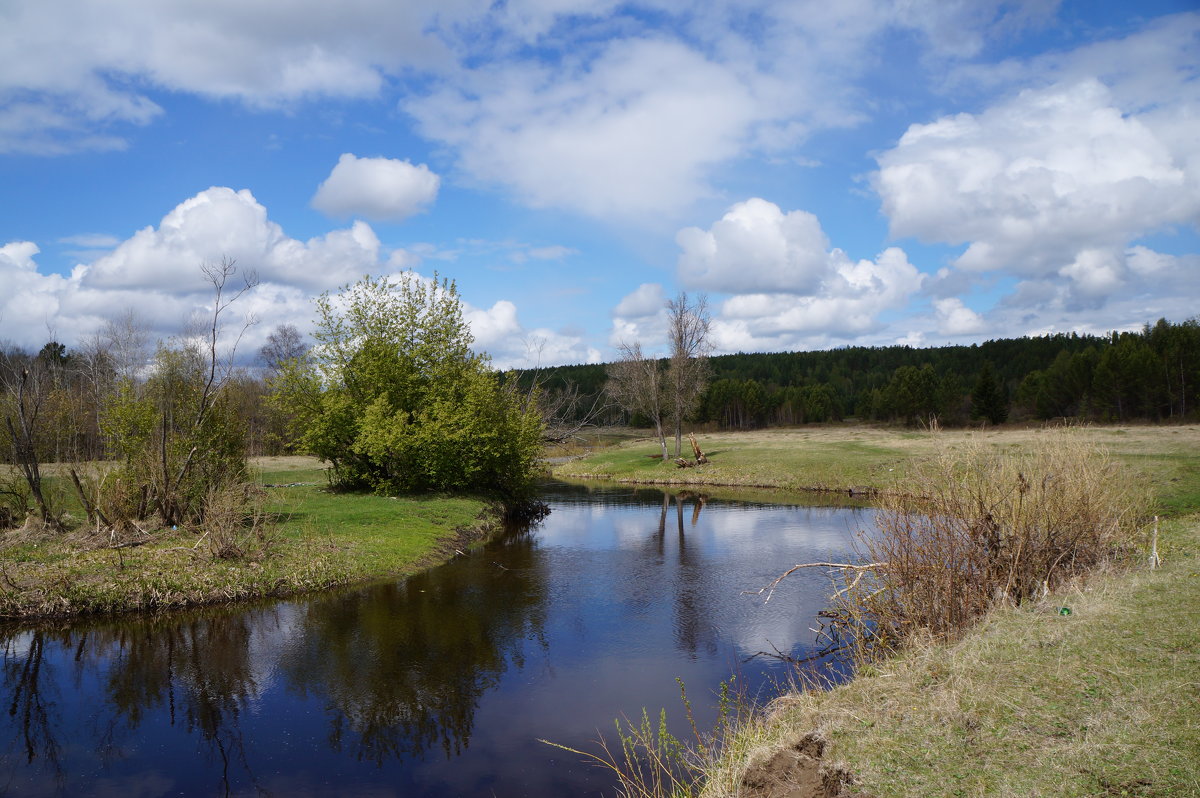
{"points": [[841, 457]]}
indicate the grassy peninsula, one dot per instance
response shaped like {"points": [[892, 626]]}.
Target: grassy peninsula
{"points": [[1032, 701], [316, 538]]}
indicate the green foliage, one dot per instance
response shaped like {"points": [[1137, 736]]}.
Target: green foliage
{"points": [[395, 400]]}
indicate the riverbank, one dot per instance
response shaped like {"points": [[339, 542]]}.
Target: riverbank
{"points": [[319, 539], [840, 458], [1030, 702]]}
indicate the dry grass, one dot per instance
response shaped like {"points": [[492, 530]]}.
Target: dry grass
{"points": [[973, 527], [841, 456]]}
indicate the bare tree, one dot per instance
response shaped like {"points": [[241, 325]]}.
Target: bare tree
{"points": [[284, 344], [688, 368], [125, 342], [564, 410], [214, 374], [637, 384], [28, 382]]}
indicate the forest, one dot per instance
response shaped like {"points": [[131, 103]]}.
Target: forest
{"points": [[1148, 375]]}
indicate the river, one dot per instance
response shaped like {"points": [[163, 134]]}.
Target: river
{"points": [[442, 684]]}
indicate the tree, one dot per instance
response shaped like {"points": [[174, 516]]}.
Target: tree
{"points": [[637, 384], [177, 431], [987, 398], [284, 344], [28, 384], [395, 400], [687, 370]]}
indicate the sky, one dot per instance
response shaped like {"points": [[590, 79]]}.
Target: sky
{"points": [[861, 172]]}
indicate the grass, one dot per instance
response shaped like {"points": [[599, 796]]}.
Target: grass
{"points": [[838, 457], [321, 539], [1030, 702]]}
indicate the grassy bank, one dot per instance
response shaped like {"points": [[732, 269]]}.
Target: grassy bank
{"points": [[319, 539], [1032, 702]]}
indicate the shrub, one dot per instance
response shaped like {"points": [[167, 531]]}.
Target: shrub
{"points": [[395, 400], [976, 526]]}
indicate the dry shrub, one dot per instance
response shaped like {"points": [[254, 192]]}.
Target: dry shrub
{"points": [[236, 524], [978, 525]]}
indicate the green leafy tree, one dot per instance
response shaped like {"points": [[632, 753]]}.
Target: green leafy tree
{"points": [[394, 399]]}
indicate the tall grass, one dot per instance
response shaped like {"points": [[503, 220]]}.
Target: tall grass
{"points": [[977, 525]]}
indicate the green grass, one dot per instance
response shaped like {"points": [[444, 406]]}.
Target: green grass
{"points": [[827, 458], [321, 539]]}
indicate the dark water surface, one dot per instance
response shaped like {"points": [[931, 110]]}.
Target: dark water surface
{"points": [[438, 685]]}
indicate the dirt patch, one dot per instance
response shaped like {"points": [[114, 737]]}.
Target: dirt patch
{"points": [[798, 771]]}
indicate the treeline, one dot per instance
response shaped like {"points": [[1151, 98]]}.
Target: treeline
{"points": [[1150, 375]]}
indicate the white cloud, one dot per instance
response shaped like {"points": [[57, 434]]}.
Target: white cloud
{"points": [[790, 290], [377, 188], [755, 247], [954, 318], [1053, 184], [646, 300], [17, 256], [62, 85], [588, 135], [640, 317], [498, 331], [156, 273], [1032, 181], [849, 304], [222, 223]]}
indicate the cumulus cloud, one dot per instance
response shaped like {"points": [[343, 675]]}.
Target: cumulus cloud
{"points": [[755, 247], [848, 304], [383, 189], [498, 331], [954, 318], [156, 273], [1055, 182], [640, 316], [789, 288], [222, 223]]}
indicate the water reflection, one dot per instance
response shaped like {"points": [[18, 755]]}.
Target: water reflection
{"points": [[437, 685], [404, 665]]}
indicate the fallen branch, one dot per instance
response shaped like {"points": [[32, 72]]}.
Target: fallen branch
{"points": [[770, 589]]}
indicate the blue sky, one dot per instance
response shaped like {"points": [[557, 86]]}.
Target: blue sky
{"points": [[860, 172]]}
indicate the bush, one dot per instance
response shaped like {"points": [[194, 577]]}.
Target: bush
{"points": [[977, 526], [395, 400]]}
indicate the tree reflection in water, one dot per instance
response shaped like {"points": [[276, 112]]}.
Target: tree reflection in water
{"points": [[404, 668], [399, 669]]}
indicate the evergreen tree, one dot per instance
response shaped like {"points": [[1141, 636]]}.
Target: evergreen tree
{"points": [[987, 399]]}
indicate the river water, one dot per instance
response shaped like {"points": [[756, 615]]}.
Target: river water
{"points": [[442, 684]]}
